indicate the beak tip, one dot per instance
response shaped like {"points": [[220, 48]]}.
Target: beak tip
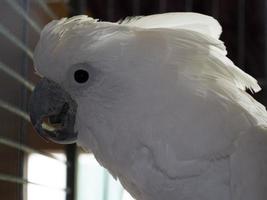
{"points": [[47, 100]]}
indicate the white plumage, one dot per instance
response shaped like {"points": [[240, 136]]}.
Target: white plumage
{"points": [[165, 110]]}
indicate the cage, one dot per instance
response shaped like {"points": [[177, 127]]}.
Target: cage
{"points": [[31, 168]]}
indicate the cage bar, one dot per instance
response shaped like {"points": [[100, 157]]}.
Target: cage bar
{"points": [[29, 150], [16, 76], [13, 4], [241, 33], [46, 9], [23, 181], [11, 37]]}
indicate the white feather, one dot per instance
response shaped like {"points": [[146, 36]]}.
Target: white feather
{"points": [[171, 117], [190, 21]]}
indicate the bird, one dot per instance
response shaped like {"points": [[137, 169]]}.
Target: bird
{"points": [[157, 101]]}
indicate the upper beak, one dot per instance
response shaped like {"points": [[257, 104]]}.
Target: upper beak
{"points": [[51, 106]]}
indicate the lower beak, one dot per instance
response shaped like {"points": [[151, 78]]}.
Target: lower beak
{"points": [[53, 112]]}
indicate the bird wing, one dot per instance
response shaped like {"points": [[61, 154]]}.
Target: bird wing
{"points": [[216, 108]]}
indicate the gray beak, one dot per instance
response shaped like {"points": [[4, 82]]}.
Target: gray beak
{"points": [[53, 112]]}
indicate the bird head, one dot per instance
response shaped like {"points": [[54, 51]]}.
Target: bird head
{"points": [[95, 76]]}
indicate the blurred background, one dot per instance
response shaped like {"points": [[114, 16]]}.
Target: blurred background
{"points": [[31, 168]]}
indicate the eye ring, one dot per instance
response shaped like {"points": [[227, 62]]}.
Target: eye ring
{"points": [[81, 76]]}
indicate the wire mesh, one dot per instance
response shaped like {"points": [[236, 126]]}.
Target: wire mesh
{"points": [[20, 41], [10, 36], [14, 5]]}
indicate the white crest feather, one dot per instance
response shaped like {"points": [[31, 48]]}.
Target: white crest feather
{"points": [[196, 27], [190, 21]]}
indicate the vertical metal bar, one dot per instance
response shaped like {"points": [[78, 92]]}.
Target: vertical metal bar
{"points": [[188, 5], [136, 7], [23, 102], [110, 10], [71, 153], [215, 8], [74, 7], [83, 6], [47, 10], [78, 7], [162, 6], [241, 33]]}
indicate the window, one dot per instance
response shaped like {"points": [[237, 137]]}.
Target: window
{"points": [[48, 177], [94, 182]]}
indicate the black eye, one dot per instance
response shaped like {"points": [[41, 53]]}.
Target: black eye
{"points": [[81, 76]]}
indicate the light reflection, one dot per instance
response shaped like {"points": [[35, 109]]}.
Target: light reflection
{"points": [[50, 174], [94, 182]]}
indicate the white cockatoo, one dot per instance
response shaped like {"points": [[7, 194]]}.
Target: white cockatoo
{"points": [[158, 103]]}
